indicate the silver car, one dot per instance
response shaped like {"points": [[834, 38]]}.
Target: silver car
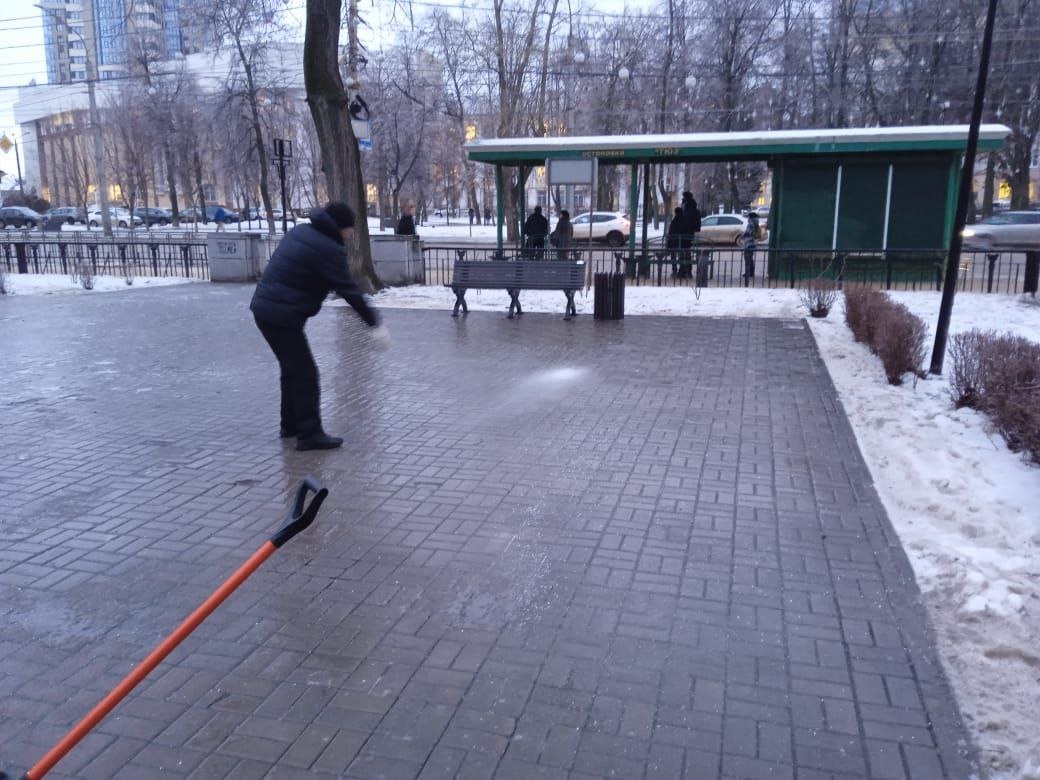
{"points": [[1006, 230]]}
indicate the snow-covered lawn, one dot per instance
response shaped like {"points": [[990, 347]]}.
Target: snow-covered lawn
{"points": [[966, 508], [60, 284]]}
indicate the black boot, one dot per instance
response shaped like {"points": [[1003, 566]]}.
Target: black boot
{"points": [[286, 432], [318, 441]]}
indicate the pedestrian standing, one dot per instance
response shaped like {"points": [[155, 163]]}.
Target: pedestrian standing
{"points": [[749, 240], [691, 227], [536, 228], [406, 224], [309, 263], [562, 235], [220, 217]]}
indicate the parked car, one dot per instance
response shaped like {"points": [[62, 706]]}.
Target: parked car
{"points": [[119, 217], [194, 214], [70, 215], [154, 215], [722, 229], [255, 213], [19, 217], [608, 226], [1006, 230]]}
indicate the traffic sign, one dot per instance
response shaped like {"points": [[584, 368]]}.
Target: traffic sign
{"points": [[365, 144], [5, 144]]}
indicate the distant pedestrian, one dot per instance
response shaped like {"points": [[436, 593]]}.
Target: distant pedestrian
{"points": [[220, 217], [536, 228], [406, 224], [749, 241], [472, 216], [309, 263], [487, 216], [691, 227], [563, 235]]}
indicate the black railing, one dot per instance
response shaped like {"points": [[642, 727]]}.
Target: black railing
{"points": [[125, 255], [894, 269]]}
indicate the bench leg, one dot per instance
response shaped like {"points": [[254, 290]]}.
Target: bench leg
{"points": [[460, 300], [571, 311], [514, 303]]}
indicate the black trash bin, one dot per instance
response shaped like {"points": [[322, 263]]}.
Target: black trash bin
{"points": [[1032, 280], [608, 296]]}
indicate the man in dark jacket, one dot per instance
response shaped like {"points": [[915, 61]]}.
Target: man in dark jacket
{"points": [[536, 228], [691, 227], [406, 224], [308, 264]]}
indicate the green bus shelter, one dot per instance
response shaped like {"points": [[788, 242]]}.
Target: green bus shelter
{"points": [[854, 189]]}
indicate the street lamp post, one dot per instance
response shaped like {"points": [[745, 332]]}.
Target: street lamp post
{"points": [[95, 121]]}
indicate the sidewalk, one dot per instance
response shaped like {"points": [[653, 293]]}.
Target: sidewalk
{"points": [[646, 548]]}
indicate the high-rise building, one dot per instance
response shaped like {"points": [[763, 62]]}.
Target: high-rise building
{"points": [[120, 35]]}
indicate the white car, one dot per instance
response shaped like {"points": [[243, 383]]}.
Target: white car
{"points": [[119, 217], [1004, 230], [606, 226], [722, 229]]}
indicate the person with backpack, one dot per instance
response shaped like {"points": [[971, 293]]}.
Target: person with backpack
{"points": [[562, 235]]}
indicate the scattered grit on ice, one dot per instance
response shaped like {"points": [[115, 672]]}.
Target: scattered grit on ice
{"points": [[964, 506]]}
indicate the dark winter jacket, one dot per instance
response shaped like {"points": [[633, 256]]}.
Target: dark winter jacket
{"points": [[406, 225], [674, 239], [691, 217], [536, 228], [308, 264]]}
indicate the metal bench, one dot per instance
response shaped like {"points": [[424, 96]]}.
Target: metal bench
{"points": [[514, 276]]}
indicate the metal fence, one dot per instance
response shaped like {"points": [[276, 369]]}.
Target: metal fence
{"points": [[125, 255], [989, 272]]}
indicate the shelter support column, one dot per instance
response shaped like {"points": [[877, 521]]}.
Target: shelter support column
{"points": [[633, 204], [500, 206]]}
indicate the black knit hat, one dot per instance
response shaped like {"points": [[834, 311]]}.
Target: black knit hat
{"points": [[341, 213]]}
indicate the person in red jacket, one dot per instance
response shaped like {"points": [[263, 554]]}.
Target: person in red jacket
{"points": [[308, 264]]}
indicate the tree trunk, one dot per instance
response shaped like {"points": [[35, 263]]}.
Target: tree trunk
{"points": [[171, 183], [340, 157], [987, 185]]}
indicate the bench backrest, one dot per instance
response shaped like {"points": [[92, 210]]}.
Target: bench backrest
{"points": [[519, 274]]}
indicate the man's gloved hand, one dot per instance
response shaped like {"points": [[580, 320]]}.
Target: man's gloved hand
{"points": [[380, 336]]}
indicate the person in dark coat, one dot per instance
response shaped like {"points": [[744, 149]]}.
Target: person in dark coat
{"points": [[563, 235], [309, 263], [691, 227], [406, 224], [536, 228]]}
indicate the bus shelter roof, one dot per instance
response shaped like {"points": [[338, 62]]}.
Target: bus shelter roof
{"points": [[744, 145]]}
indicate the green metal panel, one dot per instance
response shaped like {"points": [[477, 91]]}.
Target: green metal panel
{"points": [[920, 192], [861, 209], [806, 205], [633, 204]]}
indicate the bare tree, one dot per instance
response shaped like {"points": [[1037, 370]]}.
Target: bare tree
{"points": [[326, 96]]}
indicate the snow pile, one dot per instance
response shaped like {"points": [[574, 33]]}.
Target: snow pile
{"points": [[61, 284], [964, 506]]}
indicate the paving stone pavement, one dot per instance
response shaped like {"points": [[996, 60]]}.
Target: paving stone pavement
{"points": [[646, 548]]}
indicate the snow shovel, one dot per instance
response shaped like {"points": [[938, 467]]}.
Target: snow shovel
{"points": [[300, 517]]}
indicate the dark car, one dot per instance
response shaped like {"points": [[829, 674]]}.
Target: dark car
{"points": [[153, 215], [70, 215], [19, 217]]}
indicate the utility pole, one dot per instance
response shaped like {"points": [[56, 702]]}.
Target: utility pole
{"points": [[953, 260], [95, 121]]}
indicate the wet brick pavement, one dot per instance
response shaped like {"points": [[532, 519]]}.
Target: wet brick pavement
{"points": [[646, 548]]}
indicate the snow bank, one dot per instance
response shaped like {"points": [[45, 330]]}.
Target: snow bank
{"points": [[60, 284]]}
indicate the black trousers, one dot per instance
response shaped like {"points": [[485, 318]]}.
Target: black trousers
{"points": [[301, 393]]}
